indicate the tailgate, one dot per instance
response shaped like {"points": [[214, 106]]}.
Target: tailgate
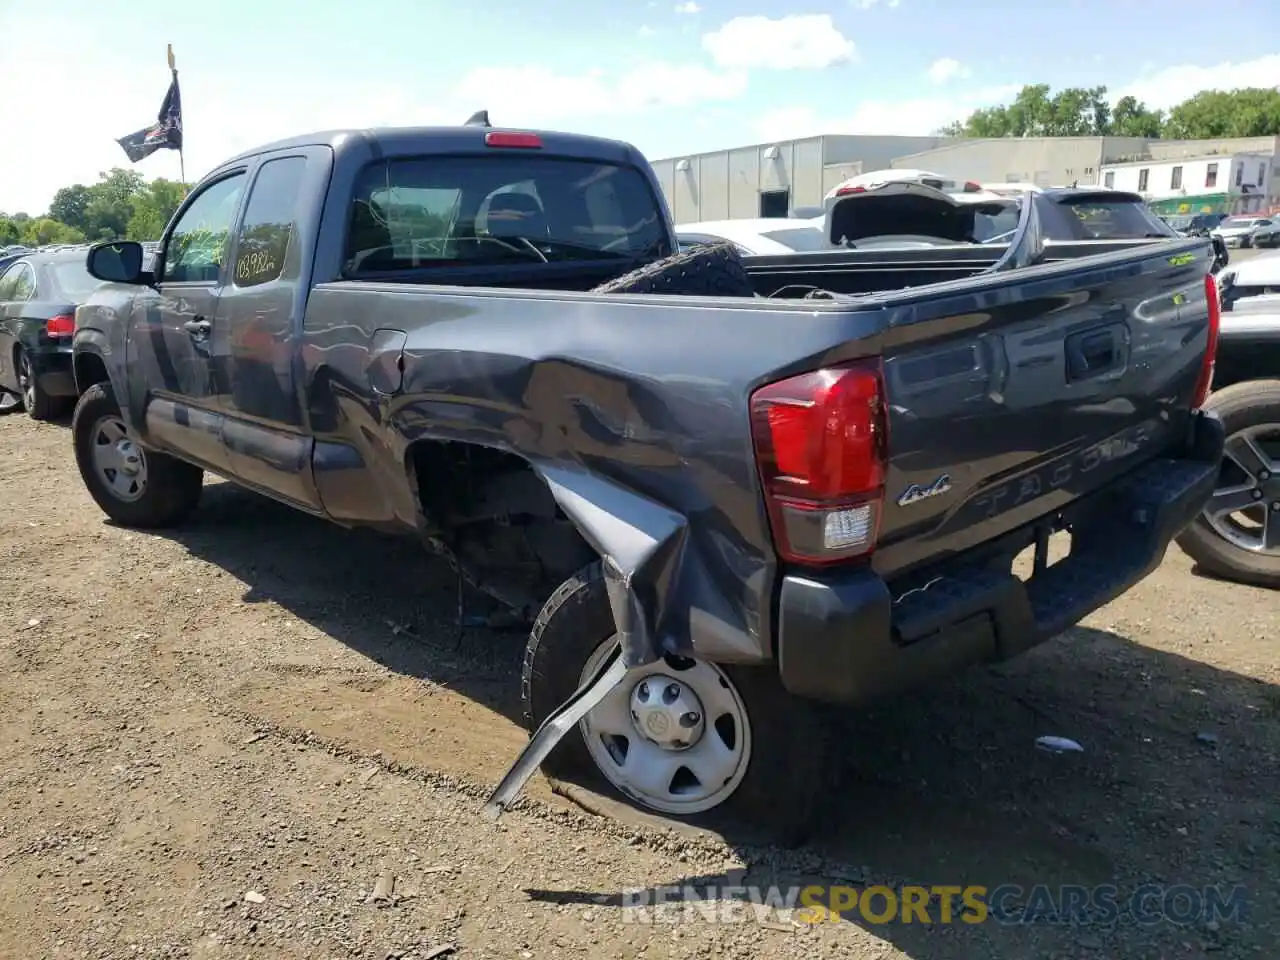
{"points": [[1024, 390]]}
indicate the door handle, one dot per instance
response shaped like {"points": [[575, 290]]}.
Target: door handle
{"points": [[199, 327], [1093, 353]]}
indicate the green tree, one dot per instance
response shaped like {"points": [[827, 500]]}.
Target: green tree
{"points": [[70, 205], [1210, 114], [1130, 118], [111, 201], [38, 232], [153, 207], [1086, 111]]}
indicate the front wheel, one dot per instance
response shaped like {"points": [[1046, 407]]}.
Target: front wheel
{"points": [[1237, 536], [680, 737], [134, 487]]}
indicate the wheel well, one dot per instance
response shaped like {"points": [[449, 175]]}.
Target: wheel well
{"points": [[89, 369], [497, 519]]}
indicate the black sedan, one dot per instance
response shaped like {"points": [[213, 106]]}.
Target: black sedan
{"points": [[38, 298]]}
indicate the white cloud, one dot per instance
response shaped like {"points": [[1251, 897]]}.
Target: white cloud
{"points": [[227, 113], [688, 8], [801, 42], [533, 96], [915, 117], [1172, 85], [923, 115], [947, 69], [646, 32]]}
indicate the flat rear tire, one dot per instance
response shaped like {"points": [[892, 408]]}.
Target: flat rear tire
{"points": [[722, 747]]}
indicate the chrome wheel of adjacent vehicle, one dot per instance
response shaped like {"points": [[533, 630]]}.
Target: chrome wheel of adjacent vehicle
{"points": [[9, 401], [673, 735], [120, 462], [1245, 508]]}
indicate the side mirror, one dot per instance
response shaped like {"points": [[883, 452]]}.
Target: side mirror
{"points": [[117, 261]]}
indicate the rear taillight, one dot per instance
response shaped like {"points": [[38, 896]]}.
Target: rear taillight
{"points": [[526, 141], [821, 444], [971, 187], [63, 325], [1214, 300], [845, 191]]}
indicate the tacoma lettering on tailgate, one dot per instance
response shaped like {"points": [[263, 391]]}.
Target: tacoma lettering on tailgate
{"points": [[1052, 476]]}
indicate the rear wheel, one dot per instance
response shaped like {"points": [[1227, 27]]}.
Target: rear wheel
{"points": [[719, 746], [134, 487], [39, 404], [1237, 537]]}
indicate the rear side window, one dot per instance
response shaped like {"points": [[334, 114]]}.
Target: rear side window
{"points": [[24, 283], [464, 211], [267, 228], [9, 282]]}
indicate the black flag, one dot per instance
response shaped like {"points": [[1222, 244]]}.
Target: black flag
{"points": [[164, 134]]}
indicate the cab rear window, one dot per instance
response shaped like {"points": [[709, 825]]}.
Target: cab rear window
{"points": [[1090, 218], [408, 214]]}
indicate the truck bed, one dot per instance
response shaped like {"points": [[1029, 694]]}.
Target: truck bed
{"points": [[854, 272]]}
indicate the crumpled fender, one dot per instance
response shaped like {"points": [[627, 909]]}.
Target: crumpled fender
{"points": [[642, 545]]}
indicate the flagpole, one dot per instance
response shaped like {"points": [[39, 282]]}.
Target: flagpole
{"points": [[182, 165]]}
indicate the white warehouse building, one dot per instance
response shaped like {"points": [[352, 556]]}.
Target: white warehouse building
{"points": [[771, 179], [1218, 182]]}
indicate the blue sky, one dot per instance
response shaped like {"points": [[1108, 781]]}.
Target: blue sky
{"points": [[671, 76]]}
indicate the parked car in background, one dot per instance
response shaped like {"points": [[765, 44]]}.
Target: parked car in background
{"points": [[1237, 536], [1248, 230], [1195, 225], [767, 235], [876, 178], [39, 294]]}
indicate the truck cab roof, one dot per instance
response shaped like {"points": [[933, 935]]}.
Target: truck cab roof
{"points": [[405, 141]]}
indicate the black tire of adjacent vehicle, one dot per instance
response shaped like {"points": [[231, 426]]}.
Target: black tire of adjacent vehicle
{"points": [[42, 406], [713, 270], [1240, 406], [9, 402], [173, 486], [789, 771]]}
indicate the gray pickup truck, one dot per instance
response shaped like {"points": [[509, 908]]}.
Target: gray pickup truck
{"points": [[719, 496]]}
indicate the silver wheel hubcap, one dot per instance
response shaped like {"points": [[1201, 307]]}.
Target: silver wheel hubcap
{"points": [[118, 460], [1245, 508], [673, 735]]}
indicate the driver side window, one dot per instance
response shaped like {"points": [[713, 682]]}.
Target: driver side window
{"points": [[198, 243]]}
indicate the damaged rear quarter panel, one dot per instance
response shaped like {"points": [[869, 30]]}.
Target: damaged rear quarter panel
{"points": [[632, 409]]}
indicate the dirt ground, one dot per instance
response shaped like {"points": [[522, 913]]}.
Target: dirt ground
{"points": [[263, 736]]}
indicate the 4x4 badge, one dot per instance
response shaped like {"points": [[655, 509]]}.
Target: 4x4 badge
{"points": [[915, 493]]}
